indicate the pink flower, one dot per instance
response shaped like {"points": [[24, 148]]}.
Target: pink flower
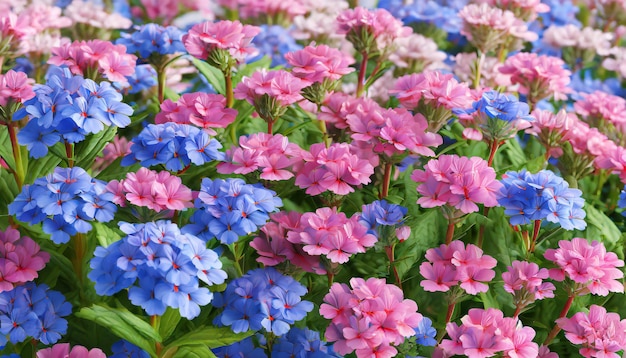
{"points": [[170, 193], [416, 53], [20, 259], [16, 87], [550, 129], [526, 10], [204, 110], [204, 39], [524, 280], [62, 350], [317, 63], [118, 148], [376, 27], [602, 110], [590, 266]]}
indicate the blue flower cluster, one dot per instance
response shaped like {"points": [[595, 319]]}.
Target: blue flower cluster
{"points": [[381, 213], [301, 343], [173, 145], [66, 109], [425, 333], [231, 208], [125, 349], [33, 311], [442, 14], [65, 201], [274, 41], [502, 106], [262, 298], [145, 77], [166, 264], [153, 39], [527, 197], [244, 348], [621, 203]]}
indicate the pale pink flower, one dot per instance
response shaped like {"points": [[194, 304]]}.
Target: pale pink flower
{"points": [[118, 148], [550, 129], [378, 27], [416, 53], [62, 350], [205, 38], [204, 110], [526, 10], [95, 15], [617, 62], [157, 191], [317, 63], [603, 111], [15, 87]]}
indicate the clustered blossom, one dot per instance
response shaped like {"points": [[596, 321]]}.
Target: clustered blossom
{"points": [[527, 197], [32, 311], [551, 128], [204, 110], [449, 265], [524, 280], [601, 333], [176, 146], [161, 267], [273, 155], [526, 10], [267, 10], [222, 43], [116, 149], [63, 350], [484, 333], [230, 208], [590, 266], [125, 349], [157, 191], [538, 77], [380, 214], [370, 31], [275, 42], [578, 46], [65, 201], [335, 168], [458, 182], [262, 299], [152, 39], [604, 111], [15, 89], [416, 53], [67, 109], [95, 59], [20, 259], [95, 15], [369, 317]]}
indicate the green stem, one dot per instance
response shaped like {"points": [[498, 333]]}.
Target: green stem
{"points": [[230, 96], [78, 241], [155, 322], [556, 329], [536, 227], [390, 250], [481, 231], [361, 80], [161, 83], [19, 172], [386, 181], [479, 65], [449, 313]]}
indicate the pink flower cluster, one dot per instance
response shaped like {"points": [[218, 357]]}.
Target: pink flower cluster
{"points": [[204, 110], [604, 111], [274, 248], [118, 148], [62, 350], [316, 63], [20, 259], [335, 169], [538, 76], [15, 87], [590, 266], [273, 155], [601, 333], [156, 190], [459, 182], [260, 9], [280, 86], [94, 14], [526, 10], [205, 38], [524, 280], [379, 27], [370, 317], [484, 333], [95, 57], [551, 128], [416, 53], [331, 234], [449, 265]]}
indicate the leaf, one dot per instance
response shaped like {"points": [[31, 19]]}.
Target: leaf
{"points": [[250, 68], [105, 235], [123, 324], [168, 323], [212, 337], [6, 151], [212, 74], [194, 351], [489, 300], [86, 151], [600, 226]]}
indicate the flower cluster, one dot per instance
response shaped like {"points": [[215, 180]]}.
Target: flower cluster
{"points": [[459, 182], [95, 59], [590, 266], [33, 311], [262, 299], [273, 155], [15, 88], [380, 214], [416, 53], [94, 14], [605, 111], [456, 263], [551, 128], [151, 39], [370, 317], [173, 145], [303, 343], [370, 31], [527, 197], [601, 333], [230, 208], [161, 266], [484, 333], [335, 168], [204, 110], [65, 201], [20, 259], [524, 280], [275, 42], [156, 191], [125, 349], [244, 348], [63, 350], [68, 108]]}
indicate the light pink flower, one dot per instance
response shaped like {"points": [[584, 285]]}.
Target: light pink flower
{"points": [[317, 63], [204, 38], [15, 87], [378, 26], [62, 350]]}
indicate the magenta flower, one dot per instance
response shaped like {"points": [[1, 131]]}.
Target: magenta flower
{"points": [[453, 264], [316, 63], [590, 266], [524, 280], [204, 110], [62, 350], [369, 318], [20, 259], [457, 182], [601, 333], [15, 87]]}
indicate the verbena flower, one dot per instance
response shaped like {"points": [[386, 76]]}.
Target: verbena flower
{"points": [[262, 299], [207, 111], [524, 280], [162, 267], [370, 31], [65, 201]]}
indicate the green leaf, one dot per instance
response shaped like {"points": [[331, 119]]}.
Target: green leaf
{"points": [[250, 68], [41, 167], [194, 351], [168, 323], [86, 151], [212, 337], [601, 227], [489, 300], [123, 324], [212, 74], [104, 234], [6, 151]]}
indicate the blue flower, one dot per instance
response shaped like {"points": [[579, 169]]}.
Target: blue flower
{"points": [[275, 42], [244, 348], [303, 343], [125, 349], [153, 39], [425, 333]]}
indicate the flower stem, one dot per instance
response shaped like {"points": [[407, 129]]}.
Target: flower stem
{"points": [[270, 126], [536, 227], [390, 250], [161, 84], [449, 313], [556, 329], [78, 241], [479, 65], [155, 322], [518, 309], [386, 180], [493, 148], [361, 81], [481, 231], [17, 155], [230, 96], [69, 152]]}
